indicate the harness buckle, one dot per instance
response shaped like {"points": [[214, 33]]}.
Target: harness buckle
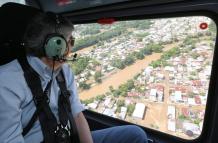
{"points": [[62, 134]]}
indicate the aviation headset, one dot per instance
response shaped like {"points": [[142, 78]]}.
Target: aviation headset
{"points": [[55, 45]]}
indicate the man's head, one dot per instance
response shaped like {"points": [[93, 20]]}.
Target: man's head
{"points": [[48, 35]]}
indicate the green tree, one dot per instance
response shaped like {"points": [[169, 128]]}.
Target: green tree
{"points": [[120, 103], [212, 27], [98, 76], [139, 55], [80, 65], [100, 97], [129, 60], [84, 85], [130, 84], [130, 109], [195, 55], [155, 64], [189, 41], [118, 64], [157, 48], [146, 51], [87, 101], [116, 93], [111, 88]]}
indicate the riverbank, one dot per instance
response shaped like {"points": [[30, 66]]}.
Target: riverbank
{"points": [[124, 75]]}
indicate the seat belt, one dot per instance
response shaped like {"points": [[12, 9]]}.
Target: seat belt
{"points": [[35, 115], [47, 119], [64, 109]]}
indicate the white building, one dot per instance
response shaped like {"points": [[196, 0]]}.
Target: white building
{"points": [[178, 96], [171, 112], [109, 112], [122, 114], [153, 95], [192, 127], [93, 105], [171, 125], [139, 110]]}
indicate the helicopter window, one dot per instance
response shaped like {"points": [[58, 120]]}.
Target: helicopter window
{"points": [[154, 73], [15, 1]]}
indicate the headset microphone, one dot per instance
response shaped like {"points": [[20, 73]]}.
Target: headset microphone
{"points": [[64, 59]]}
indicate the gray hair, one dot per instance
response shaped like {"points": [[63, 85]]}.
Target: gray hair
{"points": [[39, 27]]}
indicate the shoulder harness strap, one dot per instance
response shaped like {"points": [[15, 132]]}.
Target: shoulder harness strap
{"points": [[47, 119], [64, 107]]}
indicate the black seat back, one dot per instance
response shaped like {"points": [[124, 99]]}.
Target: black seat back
{"points": [[14, 19]]}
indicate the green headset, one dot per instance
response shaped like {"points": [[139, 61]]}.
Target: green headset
{"points": [[55, 45]]}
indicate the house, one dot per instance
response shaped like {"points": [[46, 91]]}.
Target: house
{"points": [[178, 96], [171, 125], [191, 101], [196, 83], [123, 112], [171, 112], [192, 127], [139, 111], [133, 94], [183, 89], [109, 112], [153, 94], [93, 105], [197, 100], [185, 112], [160, 76], [160, 92]]}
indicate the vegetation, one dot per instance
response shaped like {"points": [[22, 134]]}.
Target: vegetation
{"points": [[92, 40], [120, 103], [157, 48], [100, 97], [84, 85], [189, 41], [129, 60], [166, 55], [80, 65], [98, 76], [118, 64], [87, 101], [90, 31], [123, 89], [172, 52], [182, 117], [130, 109], [212, 28]]}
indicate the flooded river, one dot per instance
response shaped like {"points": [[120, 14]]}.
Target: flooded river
{"points": [[123, 75]]}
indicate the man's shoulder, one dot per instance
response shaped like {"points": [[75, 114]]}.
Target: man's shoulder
{"points": [[10, 69], [67, 69]]}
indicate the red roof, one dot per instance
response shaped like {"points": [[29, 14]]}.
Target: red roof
{"points": [[197, 100], [160, 87], [196, 83], [185, 112], [183, 89]]}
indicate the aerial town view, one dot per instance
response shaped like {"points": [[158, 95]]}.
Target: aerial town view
{"points": [[154, 73]]}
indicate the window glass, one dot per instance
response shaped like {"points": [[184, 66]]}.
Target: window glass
{"points": [[16, 1], [154, 73]]}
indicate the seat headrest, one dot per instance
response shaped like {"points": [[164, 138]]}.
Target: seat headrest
{"points": [[14, 19]]}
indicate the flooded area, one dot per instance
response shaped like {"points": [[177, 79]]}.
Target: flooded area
{"points": [[122, 75]]}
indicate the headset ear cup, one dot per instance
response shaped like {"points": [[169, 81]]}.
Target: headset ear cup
{"points": [[55, 46]]}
